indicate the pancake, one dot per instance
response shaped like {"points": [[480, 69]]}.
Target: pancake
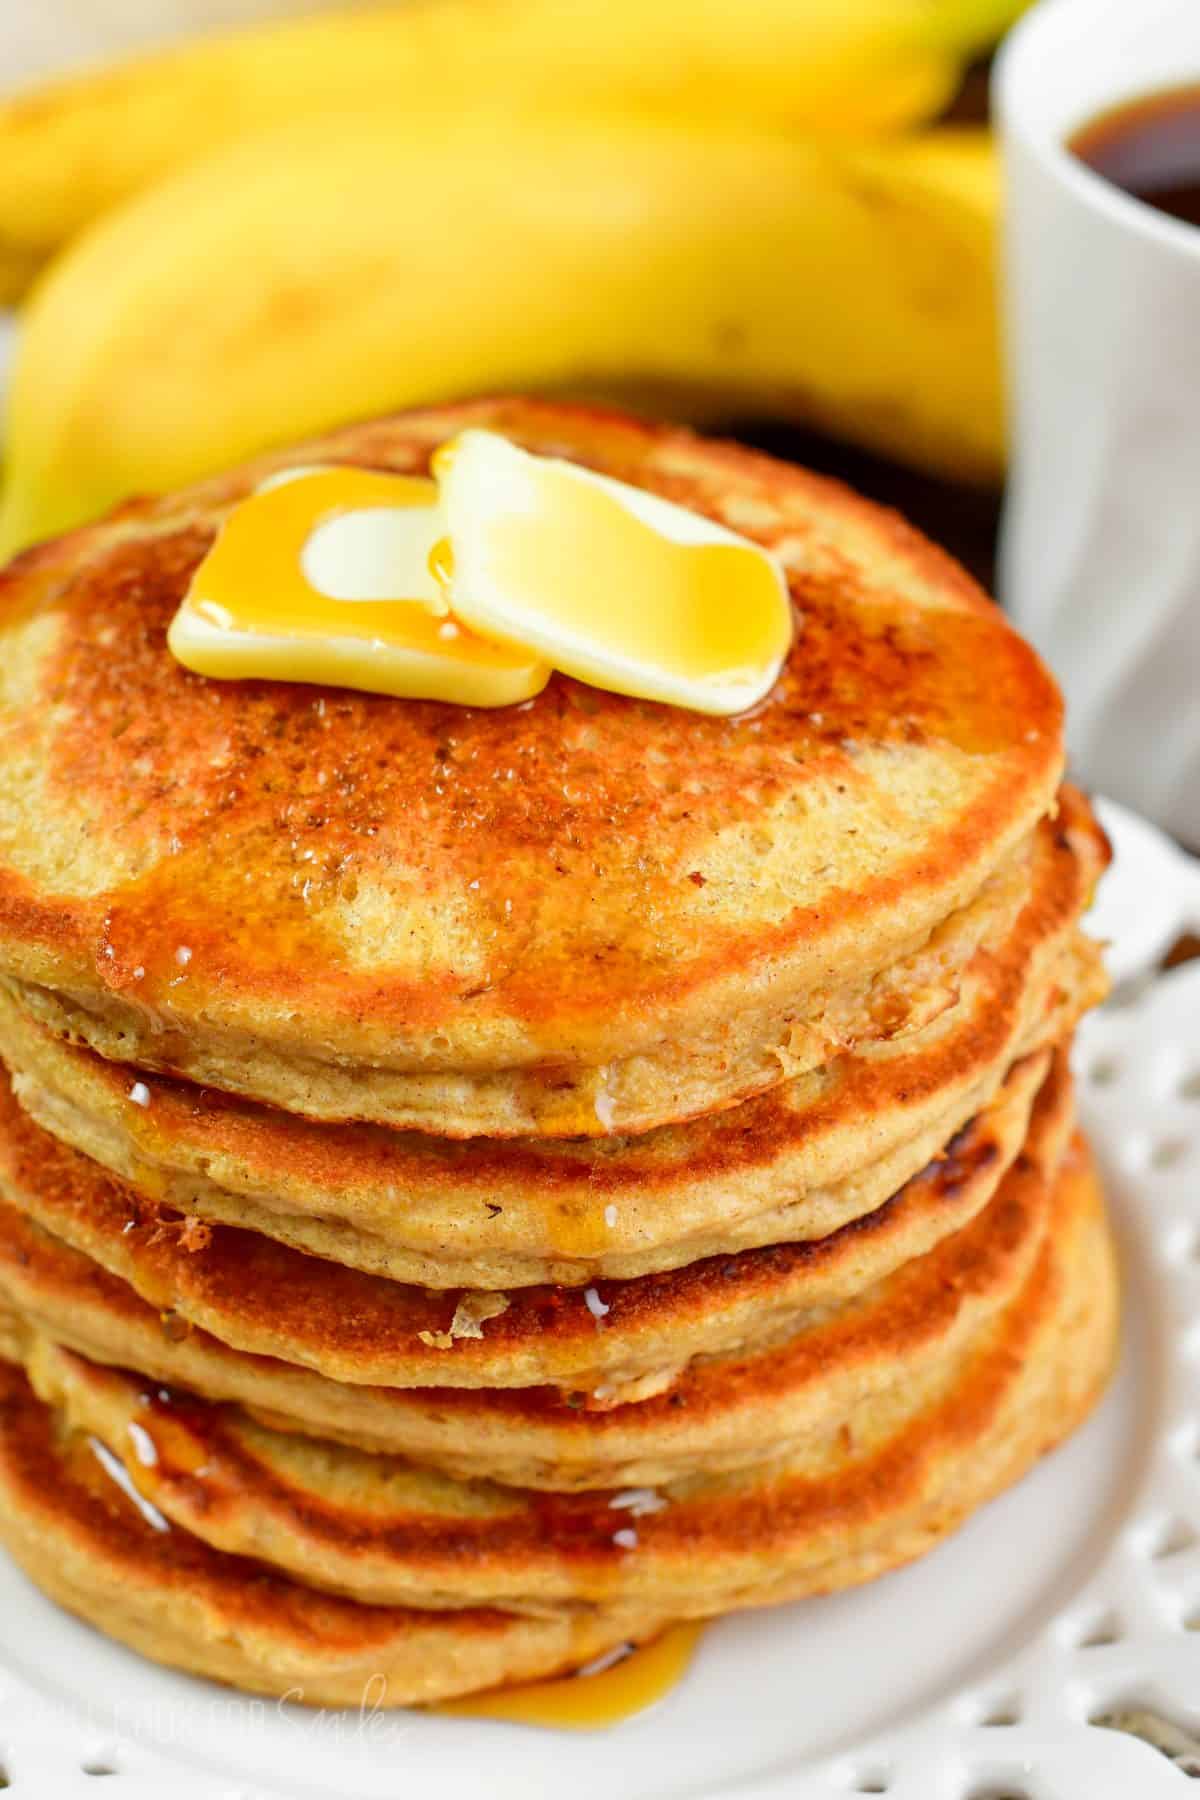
{"points": [[167, 1595], [756, 1540], [584, 915], [717, 1413], [795, 1163], [258, 1295]]}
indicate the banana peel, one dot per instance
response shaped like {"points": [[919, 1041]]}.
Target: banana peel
{"points": [[348, 266], [71, 150]]}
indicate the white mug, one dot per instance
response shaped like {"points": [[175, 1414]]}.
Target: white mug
{"points": [[1100, 554]]}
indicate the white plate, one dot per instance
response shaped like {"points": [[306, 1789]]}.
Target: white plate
{"points": [[972, 1675]]}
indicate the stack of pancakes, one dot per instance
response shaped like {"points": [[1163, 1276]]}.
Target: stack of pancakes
{"points": [[476, 1187]]}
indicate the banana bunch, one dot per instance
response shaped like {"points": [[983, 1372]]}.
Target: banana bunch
{"points": [[259, 236]]}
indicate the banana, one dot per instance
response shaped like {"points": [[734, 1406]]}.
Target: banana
{"points": [[346, 266], [71, 150]]}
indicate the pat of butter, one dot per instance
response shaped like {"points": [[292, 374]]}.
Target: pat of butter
{"points": [[323, 576], [606, 582], [472, 587]]}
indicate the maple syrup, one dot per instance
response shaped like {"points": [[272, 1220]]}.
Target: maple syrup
{"points": [[590, 1702]]}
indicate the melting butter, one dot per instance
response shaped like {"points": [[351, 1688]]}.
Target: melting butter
{"points": [[472, 586], [606, 582], [324, 577]]}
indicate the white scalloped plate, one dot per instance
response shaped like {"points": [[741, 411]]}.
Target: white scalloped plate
{"points": [[973, 1675]]}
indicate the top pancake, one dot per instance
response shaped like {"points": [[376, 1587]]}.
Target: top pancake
{"points": [[584, 914]]}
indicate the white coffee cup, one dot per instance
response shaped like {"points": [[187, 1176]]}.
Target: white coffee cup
{"points": [[1100, 557]]}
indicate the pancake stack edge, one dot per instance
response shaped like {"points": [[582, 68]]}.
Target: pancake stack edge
{"points": [[635, 1178]]}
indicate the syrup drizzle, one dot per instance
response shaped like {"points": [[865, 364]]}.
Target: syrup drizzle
{"points": [[583, 1702]]}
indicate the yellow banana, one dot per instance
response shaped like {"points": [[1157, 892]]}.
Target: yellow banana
{"points": [[345, 266], [71, 150]]}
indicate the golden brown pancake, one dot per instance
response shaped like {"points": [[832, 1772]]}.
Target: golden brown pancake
{"points": [[587, 914], [866, 1506], [715, 1413], [177, 1601], [428, 1124], [796, 1162], [258, 1295]]}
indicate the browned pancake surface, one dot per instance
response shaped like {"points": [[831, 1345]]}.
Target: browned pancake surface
{"points": [[795, 1162], [335, 878], [715, 1413], [258, 1295], [1033, 1373]]}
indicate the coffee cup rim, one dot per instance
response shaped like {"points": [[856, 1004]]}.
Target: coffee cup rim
{"points": [[1015, 61]]}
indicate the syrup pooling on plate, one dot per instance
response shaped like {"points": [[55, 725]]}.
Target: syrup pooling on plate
{"points": [[612, 1691], [324, 577]]}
